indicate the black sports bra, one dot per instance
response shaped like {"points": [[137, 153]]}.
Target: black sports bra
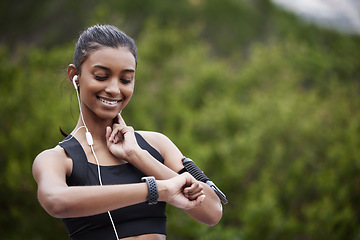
{"points": [[129, 221]]}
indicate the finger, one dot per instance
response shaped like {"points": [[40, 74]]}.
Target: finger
{"points": [[188, 178], [194, 196], [110, 135], [108, 132], [193, 193], [121, 120], [194, 188], [195, 203], [114, 136]]}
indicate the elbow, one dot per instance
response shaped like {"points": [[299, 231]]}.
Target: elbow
{"points": [[56, 211], [214, 218], [214, 222], [54, 205], [214, 212], [207, 216]]}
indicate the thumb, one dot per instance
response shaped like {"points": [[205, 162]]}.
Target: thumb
{"points": [[108, 133]]}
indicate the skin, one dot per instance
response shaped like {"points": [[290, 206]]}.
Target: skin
{"points": [[109, 74]]}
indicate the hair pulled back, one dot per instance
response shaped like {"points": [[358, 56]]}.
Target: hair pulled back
{"points": [[99, 36]]}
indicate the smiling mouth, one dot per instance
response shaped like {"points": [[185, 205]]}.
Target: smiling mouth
{"points": [[109, 101]]}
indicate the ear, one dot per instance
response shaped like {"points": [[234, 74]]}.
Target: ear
{"points": [[71, 72]]}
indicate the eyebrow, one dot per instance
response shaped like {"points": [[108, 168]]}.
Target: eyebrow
{"points": [[108, 69]]}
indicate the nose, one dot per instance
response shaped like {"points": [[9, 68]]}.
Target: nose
{"points": [[113, 87]]}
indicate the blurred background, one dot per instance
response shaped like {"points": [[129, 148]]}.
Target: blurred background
{"points": [[263, 95]]}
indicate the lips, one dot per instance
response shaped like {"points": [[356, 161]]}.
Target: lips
{"points": [[108, 101]]}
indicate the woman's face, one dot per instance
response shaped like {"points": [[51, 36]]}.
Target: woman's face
{"points": [[107, 81]]}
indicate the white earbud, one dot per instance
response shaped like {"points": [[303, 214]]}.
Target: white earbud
{"points": [[75, 78]]}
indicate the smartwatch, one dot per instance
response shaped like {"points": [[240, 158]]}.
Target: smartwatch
{"points": [[153, 194]]}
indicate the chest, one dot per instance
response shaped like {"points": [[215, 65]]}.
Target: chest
{"points": [[101, 155]]}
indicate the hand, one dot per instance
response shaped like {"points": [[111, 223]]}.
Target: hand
{"points": [[182, 191], [194, 191], [121, 139]]}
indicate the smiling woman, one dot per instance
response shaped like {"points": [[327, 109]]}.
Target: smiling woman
{"points": [[106, 80], [105, 180]]}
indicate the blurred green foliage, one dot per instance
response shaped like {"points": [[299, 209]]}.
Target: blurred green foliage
{"points": [[266, 104]]}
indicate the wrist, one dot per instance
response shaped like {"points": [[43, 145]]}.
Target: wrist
{"points": [[135, 155], [162, 190]]}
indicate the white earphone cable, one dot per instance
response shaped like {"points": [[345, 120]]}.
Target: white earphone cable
{"points": [[65, 140], [90, 142], [99, 173]]}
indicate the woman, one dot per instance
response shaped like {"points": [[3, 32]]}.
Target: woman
{"points": [[93, 178]]}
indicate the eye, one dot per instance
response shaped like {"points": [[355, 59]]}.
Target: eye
{"points": [[100, 78], [126, 81]]}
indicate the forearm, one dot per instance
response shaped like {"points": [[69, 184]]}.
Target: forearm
{"points": [[78, 201], [146, 163], [210, 211]]}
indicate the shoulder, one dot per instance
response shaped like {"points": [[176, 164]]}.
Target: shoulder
{"points": [[54, 159], [168, 150], [154, 137], [158, 140], [51, 154]]}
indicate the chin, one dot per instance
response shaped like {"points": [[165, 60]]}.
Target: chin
{"points": [[108, 115]]}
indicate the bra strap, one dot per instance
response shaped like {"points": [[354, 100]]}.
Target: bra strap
{"points": [[146, 146], [79, 172]]}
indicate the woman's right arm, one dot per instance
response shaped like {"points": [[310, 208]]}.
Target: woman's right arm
{"points": [[61, 201]]}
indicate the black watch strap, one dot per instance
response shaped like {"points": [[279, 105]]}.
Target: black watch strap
{"points": [[182, 171], [153, 194]]}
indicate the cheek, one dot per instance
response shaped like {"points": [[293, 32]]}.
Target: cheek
{"points": [[128, 91]]}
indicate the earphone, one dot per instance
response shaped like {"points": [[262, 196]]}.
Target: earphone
{"points": [[90, 141], [89, 138], [75, 78]]}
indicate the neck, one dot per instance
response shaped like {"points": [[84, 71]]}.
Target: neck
{"points": [[95, 125]]}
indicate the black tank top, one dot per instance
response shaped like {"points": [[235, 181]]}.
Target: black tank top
{"points": [[129, 221]]}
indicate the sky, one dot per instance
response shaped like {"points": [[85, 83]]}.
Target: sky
{"points": [[342, 15]]}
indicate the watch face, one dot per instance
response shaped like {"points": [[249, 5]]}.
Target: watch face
{"points": [[220, 194]]}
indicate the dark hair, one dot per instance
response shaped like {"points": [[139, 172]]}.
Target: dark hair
{"points": [[99, 36], [96, 37]]}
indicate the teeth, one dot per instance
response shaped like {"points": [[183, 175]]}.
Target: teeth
{"points": [[108, 102]]}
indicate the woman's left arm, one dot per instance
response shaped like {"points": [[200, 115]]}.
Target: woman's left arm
{"points": [[210, 211], [122, 143]]}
